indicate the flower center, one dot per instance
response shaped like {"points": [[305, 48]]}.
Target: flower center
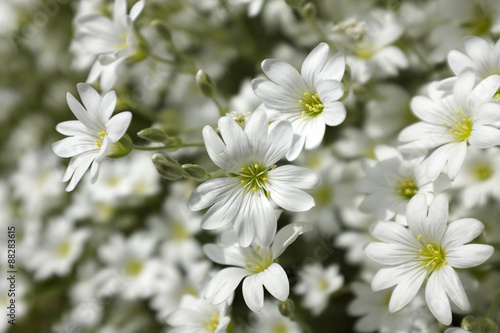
{"points": [[62, 249], [364, 50], [323, 285], [482, 21], [258, 259], [279, 328], [483, 171], [179, 231], [312, 105], [122, 41], [497, 94], [461, 127], [407, 188], [101, 134], [254, 176], [431, 256], [212, 323], [133, 267]]}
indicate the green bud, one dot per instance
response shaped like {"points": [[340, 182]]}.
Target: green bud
{"points": [[167, 167], [479, 325], [286, 307], [205, 84], [121, 148], [309, 11], [162, 29], [153, 135], [195, 172], [295, 4]]}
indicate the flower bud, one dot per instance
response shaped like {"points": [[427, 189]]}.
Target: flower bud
{"points": [[286, 307], [162, 29], [479, 325], [167, 167], [153, 135], [309, 11], [195, 172], [295, 4], [204, 83], [121, 148]]}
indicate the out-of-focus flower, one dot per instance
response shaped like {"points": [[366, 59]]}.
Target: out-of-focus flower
{"points": [[249, 157], [93, 136], [317, 284], [309, 99], [449, 123], [270, 320], [198, 315], [428, 249], [255, 264], [392, 181]]}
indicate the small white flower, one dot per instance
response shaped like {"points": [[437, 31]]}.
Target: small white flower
{"points": [[92, 136], [317, 284], [255, 264], [249, 156], [481, 57], [62, 245], [270, 320], [309, 99], [449, 123], [198, 316], [391, 182], [428, 249]]}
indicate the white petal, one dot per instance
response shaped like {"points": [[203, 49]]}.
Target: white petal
{"points": [[390, 276], [329, 91], [453, 287], [315, 133], [334, 113], [136, 9], [484, 137], [80, 112], [390, 254], [275, 96], [275, 280], [235, 139], [462, 231], [287, 235], [290, 198], [223, 284], [210, 192], [456, 159], [334, 68], [118, 125], [108, 104], [73, 128], [416, 214], [285, 75], [391, 232], [476, 47], [73, 146], [436, 299], [90, 98], [435, 224], [295, 176], [80, 168], [256, 130], [224, 255], [485, 89], [407, 289], [253, 293], [296, 147], [279, 141], [216, 149], [264, 220], [459, 61], [469, 255], [313, 64], [463, 86]]}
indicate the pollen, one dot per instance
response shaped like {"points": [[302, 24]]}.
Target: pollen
{"points": [[212, 323], [407, 188], [311, 105], [254, 177], [431, 256], [101, 135], [461, 127]]}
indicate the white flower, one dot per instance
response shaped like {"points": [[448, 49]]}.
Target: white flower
{"points": [[198, 316], [132, 259], [92, 136], [428, 249], [391, 182], [254, 7], [309, 99], [111, 40], [374, 55], [479, 177], [243, 198], [449, 123], [270, 320], [255, 264], [481, 57], [372, 306], [61, 247], [317, 284]]}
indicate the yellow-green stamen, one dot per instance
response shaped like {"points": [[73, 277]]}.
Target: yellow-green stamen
{"points": [[432, 256], [101, 134], [461, 127], [254, 177], [407, 188], [483, 171], [312, 105]]}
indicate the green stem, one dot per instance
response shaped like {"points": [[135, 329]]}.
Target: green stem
{"points": [[181, 145], [494, 305], [165, 61], [222, 110]]}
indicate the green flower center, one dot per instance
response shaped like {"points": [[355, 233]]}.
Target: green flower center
{"points": [[254, 177], [179, 231], [311, 105], [432, 256], [62, 249], [407, 188], [461, 127], [364, 50], [279, 328], [483, 171], [212, 323], [133, 267], [497, 94], [258, 259], [482, 21]]}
